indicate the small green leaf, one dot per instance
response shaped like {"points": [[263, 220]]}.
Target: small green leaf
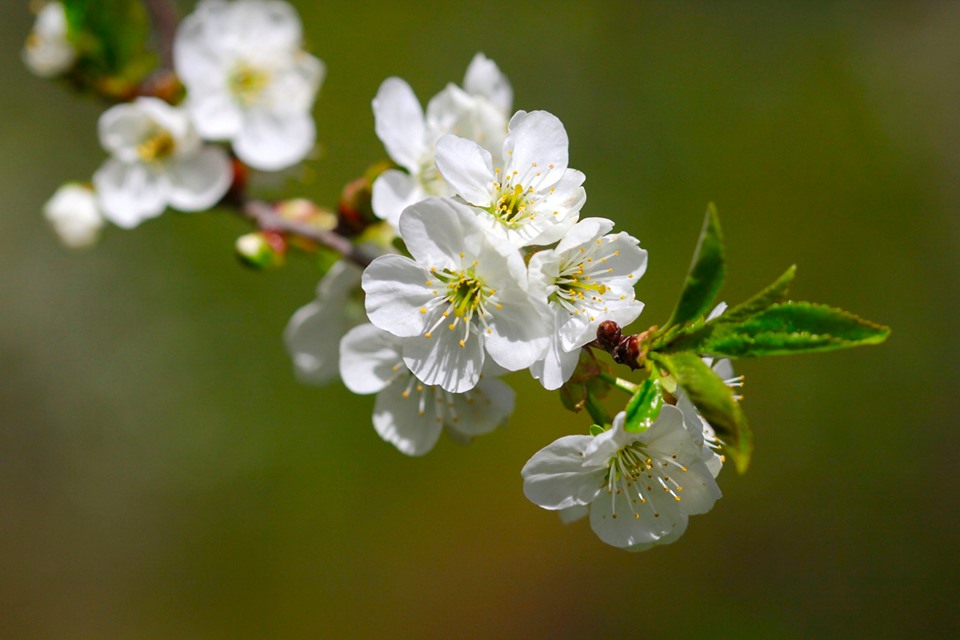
{"points": [[776, 292], [111, 37], [596, 429], [706, 272], [715, 402], [644, 406], [790, 327]]}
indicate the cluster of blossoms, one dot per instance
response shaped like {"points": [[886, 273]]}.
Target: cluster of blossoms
{"points": [[248, 82], [464, 261]]}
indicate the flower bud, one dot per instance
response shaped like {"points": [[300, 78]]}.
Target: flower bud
{"points": [[74, 215], [261, 250]]}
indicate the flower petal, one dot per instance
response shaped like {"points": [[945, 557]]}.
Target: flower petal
{"points": [[129, 193], [410, 423], [481, 410], [443, 361], [468, 169], [270, 141], [369, 359], [554, 478], [396, 292], [519, 330], [437, 230], [399, 123], [200, 181], [215, 114], [394, 191], [537, 137], [484, 78], [622, 523]]}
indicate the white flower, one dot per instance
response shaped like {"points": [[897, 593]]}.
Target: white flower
{"points": [[409, 414], [640, 487], [724, 369], [462, 294], [48, 52], [157, 159], [248, 79], [73, 213], [588, 278], [535, 197], [478, 112], [313, 333]]}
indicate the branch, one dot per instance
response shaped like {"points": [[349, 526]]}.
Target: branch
{"points": [[267, 219], [164, 17]]}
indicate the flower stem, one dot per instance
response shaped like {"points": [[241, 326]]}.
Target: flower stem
{"points": [[596, 410], [619, 383], [164, 17]]}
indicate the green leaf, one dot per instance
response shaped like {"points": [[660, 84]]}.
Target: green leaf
{"points": [[776, 292], [789, 327], [715, 402], [706, 272], [111, 36], [644, 406]]}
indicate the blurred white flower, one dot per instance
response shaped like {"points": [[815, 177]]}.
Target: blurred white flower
{"points": [[478, 112], [640, 488], [157, 159], [409, 414], [48, 52], [535, 197], [249, 80], [313, 333], [588, 278], [74, 215]]}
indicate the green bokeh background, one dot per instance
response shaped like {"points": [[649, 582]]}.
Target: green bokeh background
{"points": [[163, 476]]}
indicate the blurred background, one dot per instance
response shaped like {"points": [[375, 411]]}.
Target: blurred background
{"points": [[162, 475]]}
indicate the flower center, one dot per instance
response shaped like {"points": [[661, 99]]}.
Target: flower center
{"points": [[159, 145], [580, 281], [463, 297], [247, 82], [635, 475], [517, 196]]}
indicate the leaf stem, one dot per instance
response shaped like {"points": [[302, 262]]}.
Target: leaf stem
{"points": [[619, 383], [596, 410]]}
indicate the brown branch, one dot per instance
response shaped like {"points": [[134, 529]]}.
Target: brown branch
{"points": [[164, 17], [267, 219]]}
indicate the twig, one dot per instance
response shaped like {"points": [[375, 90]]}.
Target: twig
{"points": [[267, 219], [164, 17]]}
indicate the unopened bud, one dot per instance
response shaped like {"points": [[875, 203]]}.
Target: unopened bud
{"points": [[261, 250]]}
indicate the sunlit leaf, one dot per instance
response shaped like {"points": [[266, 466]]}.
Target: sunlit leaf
{"points": [[715, 402], [644, 406], [773, 294], [789, 327], [706, 273]]}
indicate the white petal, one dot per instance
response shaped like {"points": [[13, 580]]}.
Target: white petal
{"points": [[554, 478], [215, 114], [399, 123], [520, 330], [269, 25], [468, 169], [369, 359], [129, 193], [574, 513], [269, 141], [587, 230], [73, 213], [312, 335], [396, 292], [409, 423], [483, 78], [200, 181], [437, 230], [293, 88], [122, 129], [614, 519], [556, 366], [394, 191], [537, 137], [441, 360], [481, 410]]}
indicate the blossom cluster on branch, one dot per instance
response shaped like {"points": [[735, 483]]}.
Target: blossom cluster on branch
{"points": [[465, 258]]}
